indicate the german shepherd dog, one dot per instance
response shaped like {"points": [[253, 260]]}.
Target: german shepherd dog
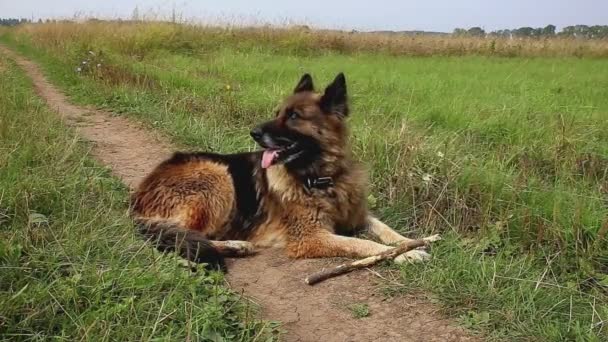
{"points": [[303, 192]]}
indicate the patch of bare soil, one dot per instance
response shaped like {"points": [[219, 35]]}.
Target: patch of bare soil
{"points": [[276, 283]]}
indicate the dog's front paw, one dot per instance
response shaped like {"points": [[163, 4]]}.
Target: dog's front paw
{"points": [[419, 254], [432, 238], [238, 248], [415, 255]]}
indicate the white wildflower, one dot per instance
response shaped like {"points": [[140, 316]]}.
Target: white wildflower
{"points": [[427, 177], [440, 154], [98, 65], [79, 69]]}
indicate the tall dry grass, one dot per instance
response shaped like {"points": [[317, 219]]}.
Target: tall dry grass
{"points": [[139, 37]]}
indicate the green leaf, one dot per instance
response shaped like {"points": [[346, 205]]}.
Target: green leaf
{"points": [[372, 201], [603, 280], [36, 219]]}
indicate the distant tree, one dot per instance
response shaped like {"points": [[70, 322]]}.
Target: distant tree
{"points": [[549, 31], [598, 31], [501, 33], [523, 32], [581, 30], [577, 31], [476, 32], [459, 32], [537, 32], [13, 21], [568, 30]]}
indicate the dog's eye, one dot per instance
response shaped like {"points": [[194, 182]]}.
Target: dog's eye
{"points": [[293, 115]]}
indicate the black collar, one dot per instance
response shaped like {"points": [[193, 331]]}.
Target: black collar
{"points": [[320, 183]]}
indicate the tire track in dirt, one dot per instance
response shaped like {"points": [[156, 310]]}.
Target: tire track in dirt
{"points": [[318, 313]]}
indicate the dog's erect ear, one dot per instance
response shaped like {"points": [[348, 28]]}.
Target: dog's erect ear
{"points": [[305, 84], [334, 98]]}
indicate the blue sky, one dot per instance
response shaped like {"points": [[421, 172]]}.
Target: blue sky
{"points": [[430, 15]]}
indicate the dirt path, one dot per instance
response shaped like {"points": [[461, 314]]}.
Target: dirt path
{"points": [[318, 313]]}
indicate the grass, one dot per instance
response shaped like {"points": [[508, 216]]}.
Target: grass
{"points": [[359, 310], [507, 157], [141, 38], [72, 267]]}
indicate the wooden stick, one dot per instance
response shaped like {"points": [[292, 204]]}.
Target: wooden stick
{"points": [[369, 261]]}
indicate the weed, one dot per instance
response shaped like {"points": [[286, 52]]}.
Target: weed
{"points": [[359, 310]]}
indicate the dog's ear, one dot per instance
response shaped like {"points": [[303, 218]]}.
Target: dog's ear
{"points": [[305, 84], [334, 98]]}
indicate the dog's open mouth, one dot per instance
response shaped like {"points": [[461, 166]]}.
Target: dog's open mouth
{"points": [[273, 155]]}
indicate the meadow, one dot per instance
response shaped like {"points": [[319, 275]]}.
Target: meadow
{"points": [[502, 147], [71, 266]]}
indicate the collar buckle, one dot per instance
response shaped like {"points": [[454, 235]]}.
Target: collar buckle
{"points": [[320, 183]]}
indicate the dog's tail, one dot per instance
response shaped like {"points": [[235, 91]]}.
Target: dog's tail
{"points": [[190, 244]]}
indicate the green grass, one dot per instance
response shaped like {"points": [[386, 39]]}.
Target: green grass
{"points": [[71, 266], [507, 157], [359, 310]]}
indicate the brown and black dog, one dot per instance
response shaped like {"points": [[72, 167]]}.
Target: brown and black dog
{"points": [[303, 192]]}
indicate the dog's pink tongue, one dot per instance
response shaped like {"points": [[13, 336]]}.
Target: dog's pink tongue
{"points": [[268, 157]]}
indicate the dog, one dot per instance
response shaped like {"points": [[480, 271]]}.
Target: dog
{"points": [[302, 192]]}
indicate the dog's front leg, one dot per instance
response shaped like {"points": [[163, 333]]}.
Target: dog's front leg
{"points": [[324, 244], [388, 236]]}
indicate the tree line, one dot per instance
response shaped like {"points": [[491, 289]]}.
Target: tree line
{"points": [[19, 21], [13, 21], [576, 31]]}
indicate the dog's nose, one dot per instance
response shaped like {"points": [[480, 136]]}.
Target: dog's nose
{"points": [[256, 133]]}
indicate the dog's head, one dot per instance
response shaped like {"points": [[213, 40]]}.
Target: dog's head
{"points": [[307, 127]]}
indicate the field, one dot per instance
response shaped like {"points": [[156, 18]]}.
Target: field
{"points": [[71, 267], [505, 154]]}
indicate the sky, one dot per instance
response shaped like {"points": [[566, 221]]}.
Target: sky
{"points": [[428, 15]]}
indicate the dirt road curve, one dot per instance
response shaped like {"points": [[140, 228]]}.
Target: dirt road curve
{"points": [[316, 313]]}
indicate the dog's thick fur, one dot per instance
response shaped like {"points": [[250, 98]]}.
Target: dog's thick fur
{"points": [[206, 206]]}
